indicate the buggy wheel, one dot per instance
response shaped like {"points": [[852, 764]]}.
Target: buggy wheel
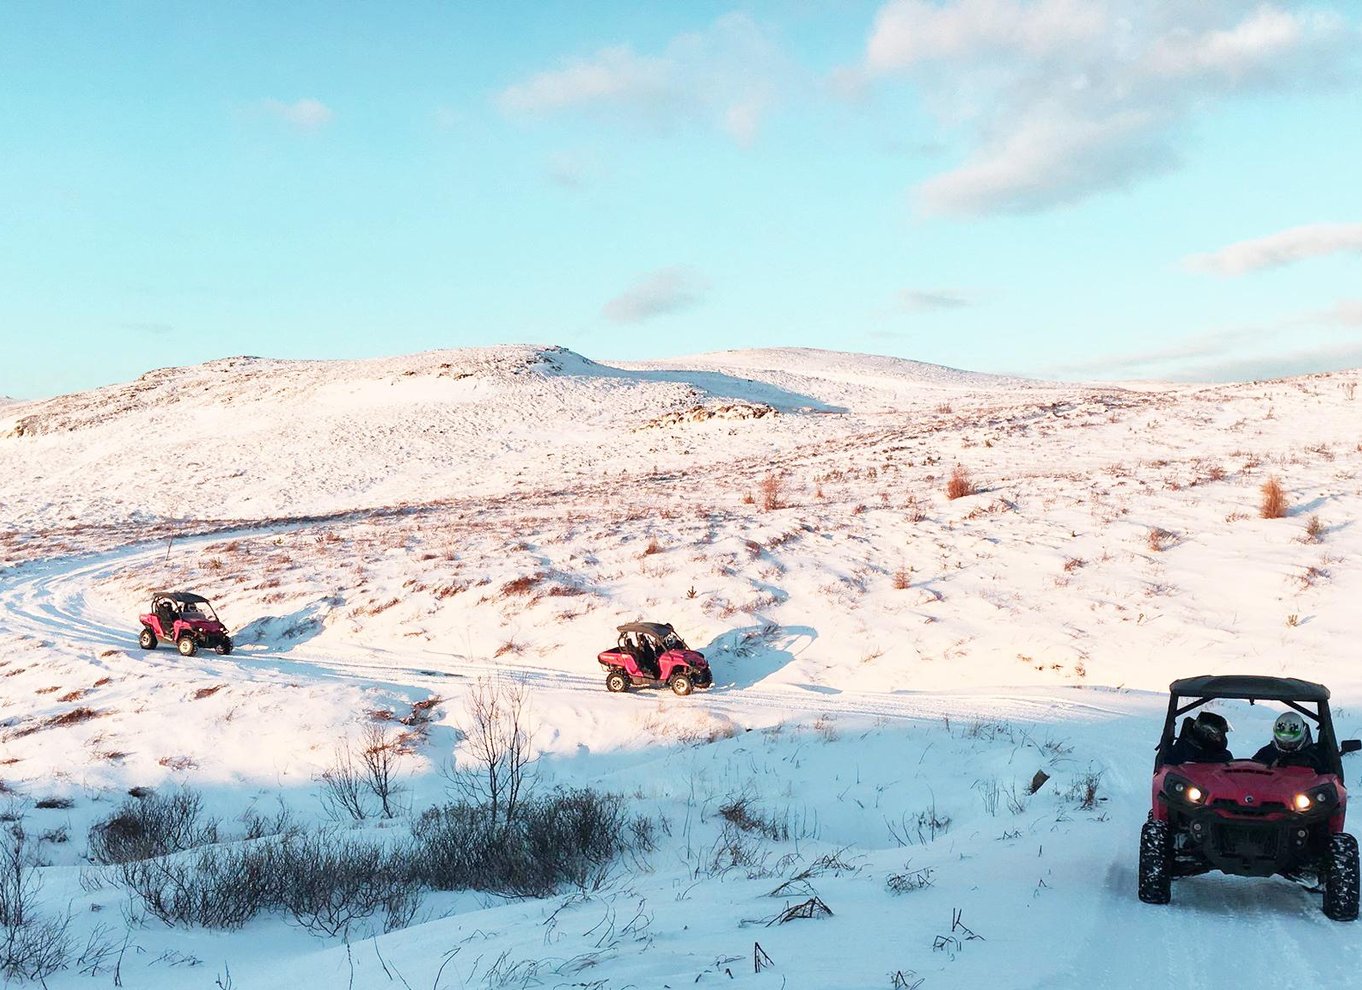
{"points": [[186, 645], [147, 639], [224, 647], [1156, 879], [1340, 878], [616, 681], [681, 685]]}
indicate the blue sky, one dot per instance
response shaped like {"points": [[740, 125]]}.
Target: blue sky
{"points": [[1060, 188]]}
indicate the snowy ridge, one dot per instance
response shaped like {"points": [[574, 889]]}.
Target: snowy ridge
{"points": [[188, 442]]}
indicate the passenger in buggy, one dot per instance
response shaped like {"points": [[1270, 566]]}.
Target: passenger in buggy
{"points": [[1202, 740]]}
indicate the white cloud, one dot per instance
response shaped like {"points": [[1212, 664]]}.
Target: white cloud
{"points": [[304, 114], [664, 291], [1060, 99], [727, 74], [613, 75], [1282, 248], [1044, 162]]}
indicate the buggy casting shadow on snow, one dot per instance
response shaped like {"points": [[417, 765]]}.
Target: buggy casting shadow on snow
{"points": [[185, 619], [1245, 818], [651, 654]]}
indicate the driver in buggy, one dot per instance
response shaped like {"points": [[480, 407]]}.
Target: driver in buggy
{"points": [[641, 648], [1202, 740], [165, 611], [1292, 745]]}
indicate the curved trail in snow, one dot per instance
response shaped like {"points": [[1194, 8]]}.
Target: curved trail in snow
{"points": [[47, 600]]}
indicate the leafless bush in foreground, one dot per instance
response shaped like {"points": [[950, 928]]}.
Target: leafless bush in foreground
{"points": [[500, 752]]}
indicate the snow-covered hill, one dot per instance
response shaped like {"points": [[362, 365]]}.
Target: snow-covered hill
{"points": [[893, 665], [250, 438]]}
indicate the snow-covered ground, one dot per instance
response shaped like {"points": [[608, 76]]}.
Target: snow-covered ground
{"points": [[893, 666]]}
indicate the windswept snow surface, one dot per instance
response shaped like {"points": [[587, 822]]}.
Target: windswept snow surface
{"points": [[893, 667]]}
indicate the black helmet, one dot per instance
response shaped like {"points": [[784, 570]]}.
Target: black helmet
{"points": [[1210, 730]]}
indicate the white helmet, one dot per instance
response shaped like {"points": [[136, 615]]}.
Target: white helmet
{"points": [[1290, 733]]}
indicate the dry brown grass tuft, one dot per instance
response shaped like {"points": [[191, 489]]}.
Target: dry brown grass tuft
{"points": [[960, 483], [523, 585], [903, 578], [652, 547], [1314, 529], [1273, 505], [772, 488], [1159, 538]]}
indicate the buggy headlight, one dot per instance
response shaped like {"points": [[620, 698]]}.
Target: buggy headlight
{"points": [[1183, 790], [1324, 794]]}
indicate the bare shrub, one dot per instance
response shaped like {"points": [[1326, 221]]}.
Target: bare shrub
{"points": [[1084, 790], [1273, 504], [32, 946], [344, 793], [564, 837], [324, 881], [500, 756], [1314, 529], [151, 826], [772, 489], [743, 813], [903, 578], [652, 547], [379, 755], [960, 483]]}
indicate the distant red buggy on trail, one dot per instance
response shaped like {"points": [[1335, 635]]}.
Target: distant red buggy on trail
{"points": [[651, 654], [1280, 813], [185, 619]]}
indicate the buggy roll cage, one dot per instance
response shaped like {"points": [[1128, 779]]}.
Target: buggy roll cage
{"points": [[1290, 691]]}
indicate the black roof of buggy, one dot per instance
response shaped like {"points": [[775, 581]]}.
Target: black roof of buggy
{"points": [[659, 629], [183, 597], [1249, 687]]}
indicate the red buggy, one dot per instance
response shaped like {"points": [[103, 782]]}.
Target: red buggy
{"points": [[1248, 818], [185, 619], [651, 654]]}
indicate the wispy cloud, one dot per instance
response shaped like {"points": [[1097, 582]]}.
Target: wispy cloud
{"points": [[916, 300], [305, 114], [727, 74], [1282, 248], [571, 169], [1270, 350], [1062, 99], [667, 290]]}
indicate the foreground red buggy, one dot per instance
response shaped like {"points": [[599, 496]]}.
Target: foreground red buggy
{"points": [[651, 654], [185, 619], [1247, 818]]}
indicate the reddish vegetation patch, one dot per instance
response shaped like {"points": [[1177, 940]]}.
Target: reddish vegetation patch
{"points": [[48, 690], [380, 715], [110, 653], [178, 762], [207, 692], [103, 680], [72, 696], [73, 717], [523, 585]]}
